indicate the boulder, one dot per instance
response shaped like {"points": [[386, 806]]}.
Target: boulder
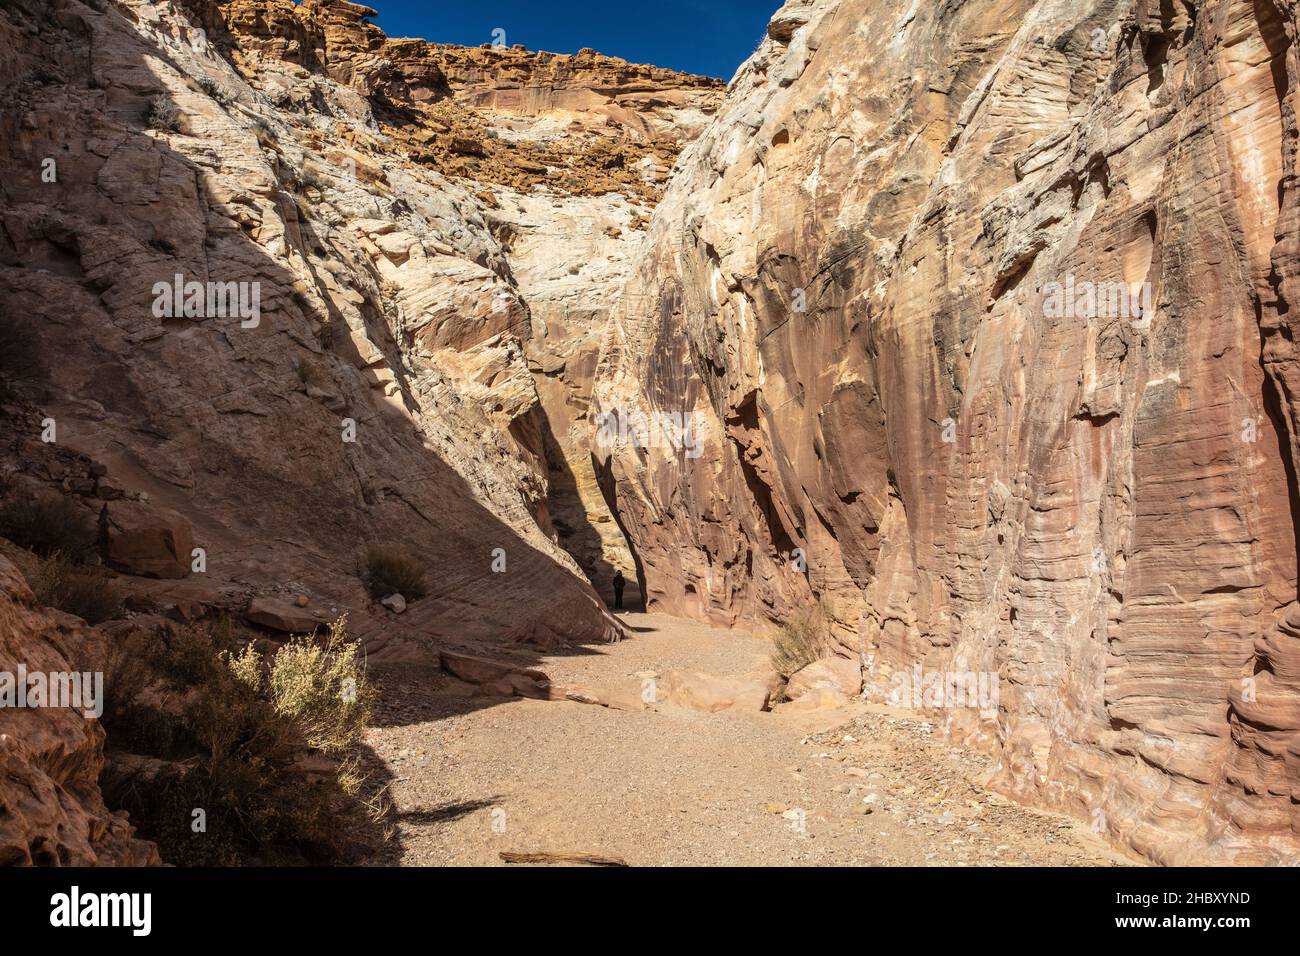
{"points": [[282, 614], [148, 540], [832, 673], [579, 695], [710, 694], [494, 688], [526, 686], [785, 22], [482, 670], [52, 812], [629, 700]]}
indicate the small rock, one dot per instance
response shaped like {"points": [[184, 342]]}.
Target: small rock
{"points": [[279, 615], [395, 603], [109, 490]]}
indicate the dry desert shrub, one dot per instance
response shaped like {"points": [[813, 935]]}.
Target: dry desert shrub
{"points": [[48, 526], [265, 749], [390, 571], [162, 115], [87, 592], [800, 641]]}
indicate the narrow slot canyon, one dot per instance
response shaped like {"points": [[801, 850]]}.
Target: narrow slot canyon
{"points": [[885, 455]]}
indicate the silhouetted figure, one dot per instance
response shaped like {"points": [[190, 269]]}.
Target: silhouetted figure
{"points": [[619, 584]]}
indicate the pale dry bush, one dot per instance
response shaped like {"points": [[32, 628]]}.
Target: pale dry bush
{"points": [[229, 731], [801, 640], [320, 685]]}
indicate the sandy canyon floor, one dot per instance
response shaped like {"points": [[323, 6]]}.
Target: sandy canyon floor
{"points": [[473, 777]]}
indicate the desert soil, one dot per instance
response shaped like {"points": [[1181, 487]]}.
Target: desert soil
{"points": [[472, 777]]}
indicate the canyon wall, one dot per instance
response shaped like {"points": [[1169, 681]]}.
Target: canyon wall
{"points": [[432, 263], [982, 310]]}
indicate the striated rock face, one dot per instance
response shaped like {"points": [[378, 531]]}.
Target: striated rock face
{"points": [[564, 155], [51, 811], [984, 311]]}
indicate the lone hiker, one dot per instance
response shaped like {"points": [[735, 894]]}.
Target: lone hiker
{"points": [[619, 584]]}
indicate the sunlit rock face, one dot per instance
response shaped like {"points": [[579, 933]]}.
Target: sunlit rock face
{"points": [[565, 157], [985, 310]]}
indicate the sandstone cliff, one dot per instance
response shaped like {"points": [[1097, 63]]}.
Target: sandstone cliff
{"points": [[857, 278], [979, 314]]}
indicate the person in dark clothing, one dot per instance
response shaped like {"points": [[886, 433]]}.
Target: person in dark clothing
{"points": [[619, 584]]}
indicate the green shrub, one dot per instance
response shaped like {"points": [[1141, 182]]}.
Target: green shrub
{"points": [[389, 571], [205, 711], [800, 641], [49, 525], [76, 589]]}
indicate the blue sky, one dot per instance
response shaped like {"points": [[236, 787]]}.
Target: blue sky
{"points": [[712, 37]]}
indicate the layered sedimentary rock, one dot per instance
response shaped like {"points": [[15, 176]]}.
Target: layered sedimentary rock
{"points": [[565, 157], [984, 310], [361, 377], [583, 124]]}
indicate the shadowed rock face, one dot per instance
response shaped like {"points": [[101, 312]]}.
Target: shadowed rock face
{"points": [[381, 394], [870, 276], [565, 156], [51, 757]]}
